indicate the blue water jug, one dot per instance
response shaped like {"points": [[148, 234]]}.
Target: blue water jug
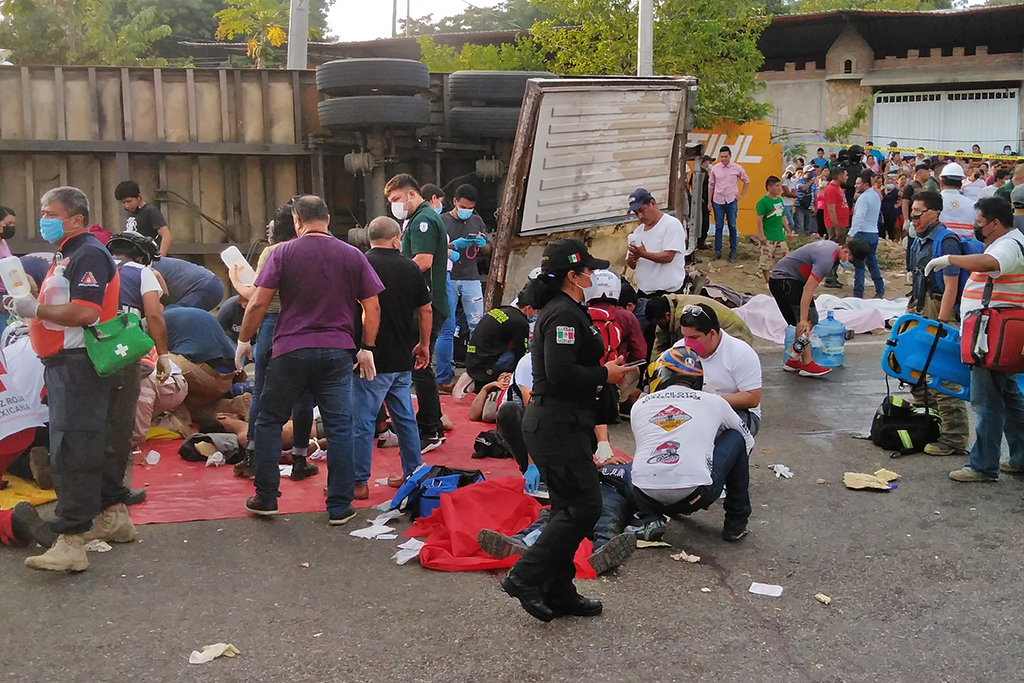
{"points": [[790, 336], [832, 334]]}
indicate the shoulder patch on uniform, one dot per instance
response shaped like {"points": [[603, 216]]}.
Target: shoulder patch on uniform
{"points": [[88, 280], [424, 226], [565, 334]]}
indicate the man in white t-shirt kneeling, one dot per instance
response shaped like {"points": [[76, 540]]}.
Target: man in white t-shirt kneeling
{"points": [[732, 369], [689, 446]]}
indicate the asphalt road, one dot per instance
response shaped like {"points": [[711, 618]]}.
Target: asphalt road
{"points": [[923, 582]]}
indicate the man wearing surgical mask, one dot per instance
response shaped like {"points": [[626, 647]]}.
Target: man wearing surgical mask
{"points": [[731, 367], [466, 237], [425, 242]]}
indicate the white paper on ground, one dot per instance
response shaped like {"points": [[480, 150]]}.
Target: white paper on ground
{"points": [[211, 652], [387, 537], [408, 551], [372, 531], [286, 470], [769, 589], [412, 544], [385, 517], [383, 481], [386, 505]]}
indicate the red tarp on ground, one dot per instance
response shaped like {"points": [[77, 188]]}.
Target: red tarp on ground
{"points": [[498, 504], [179, 491]]}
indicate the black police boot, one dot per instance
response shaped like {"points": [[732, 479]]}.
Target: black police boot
{"points": [[530, 597], [567, 602]]}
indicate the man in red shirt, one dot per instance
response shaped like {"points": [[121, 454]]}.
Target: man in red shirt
{"points": [[837, 217]]}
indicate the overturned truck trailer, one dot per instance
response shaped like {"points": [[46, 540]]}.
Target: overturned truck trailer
{"points": [[581, 147]]}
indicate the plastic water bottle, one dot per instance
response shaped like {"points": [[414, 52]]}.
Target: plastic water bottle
{"points": [[13, 275], [56, 292], [832, 334], [794, 347], [232, 257]]}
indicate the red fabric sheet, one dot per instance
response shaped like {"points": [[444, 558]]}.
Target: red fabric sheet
{"points": [[179, 491], [498, 504]]}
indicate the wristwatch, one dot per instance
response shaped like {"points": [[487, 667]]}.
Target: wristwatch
{"points": [[367, 347]]}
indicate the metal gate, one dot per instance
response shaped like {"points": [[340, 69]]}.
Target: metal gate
{"points": [[949, 120]]}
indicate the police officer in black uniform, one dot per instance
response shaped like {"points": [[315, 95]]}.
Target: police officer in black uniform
{"points": [[558, 427]]}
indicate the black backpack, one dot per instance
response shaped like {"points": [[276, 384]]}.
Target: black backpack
{"points": [[489, 444], [901, 426]]}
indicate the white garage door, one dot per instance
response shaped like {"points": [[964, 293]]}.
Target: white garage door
{"points": [[949, 120]]}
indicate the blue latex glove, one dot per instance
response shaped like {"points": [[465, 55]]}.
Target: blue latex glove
{"points": [[532, 477], [463, 242], [454, 255], [480, 241]]}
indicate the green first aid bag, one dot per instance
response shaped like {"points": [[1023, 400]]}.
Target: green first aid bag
{"points": [[116, 343]]}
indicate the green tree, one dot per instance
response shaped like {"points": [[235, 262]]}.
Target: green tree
{"points": [[523, 55], [510, 15], [714, 40], [263, 24], [893, 5], [80, 32]]}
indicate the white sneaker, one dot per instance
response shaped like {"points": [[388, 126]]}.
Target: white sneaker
{"points": [[462, 387], [387, 439]]}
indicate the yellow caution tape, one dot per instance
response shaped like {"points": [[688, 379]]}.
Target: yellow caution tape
{"points": [[930, 152]]}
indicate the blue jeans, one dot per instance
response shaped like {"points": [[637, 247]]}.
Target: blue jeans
{"points": [[327, 373], [730, 470], [787, 211], [302, 411], [206, 297], [444, 349], [871, 264], [395, 389], [999, 405], [616, 512], [725, 212], [471, 294]]}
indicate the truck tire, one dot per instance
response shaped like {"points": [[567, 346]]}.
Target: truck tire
{"points": [[484, 122], [370, 110], [492, 87], [344, 77]]}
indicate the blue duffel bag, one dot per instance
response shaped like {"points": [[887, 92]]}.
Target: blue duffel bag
{"points": [[421, 492]]}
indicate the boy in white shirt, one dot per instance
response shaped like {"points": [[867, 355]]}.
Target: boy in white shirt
{"points": [[689, 446]]}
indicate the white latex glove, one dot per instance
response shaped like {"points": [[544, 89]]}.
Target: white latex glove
{"points": [[22, 306], [364, 361], [604, 451], [163, 368], [936, 264], [242, 351]]}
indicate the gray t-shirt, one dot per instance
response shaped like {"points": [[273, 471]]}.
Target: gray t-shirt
{"points": [[182, 277], [815, 258], [466, 267]]}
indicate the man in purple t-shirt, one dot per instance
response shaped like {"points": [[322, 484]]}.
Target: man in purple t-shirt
{"points": [[321, 281]]}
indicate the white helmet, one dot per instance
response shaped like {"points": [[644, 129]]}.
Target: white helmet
{"points": [[606, 285], [952, 170]]}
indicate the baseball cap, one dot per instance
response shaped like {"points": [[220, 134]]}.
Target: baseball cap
{"points": [[953, 170], [1017, 196], [791, 168], [859, 251], [639, 197], [564, 254], [606, 285]]}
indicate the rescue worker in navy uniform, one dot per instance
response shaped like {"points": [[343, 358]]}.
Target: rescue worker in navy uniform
{"points": [[558, 427]]}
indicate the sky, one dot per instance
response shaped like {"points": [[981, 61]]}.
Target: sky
{"points": [[353, 20]]}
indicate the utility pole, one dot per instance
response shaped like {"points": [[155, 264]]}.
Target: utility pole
{"points": [[298, 35], [645, 39], [394, 19], [408, 18]]}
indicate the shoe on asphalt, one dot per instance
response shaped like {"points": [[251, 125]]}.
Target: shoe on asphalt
{"points": [[652, 531], [339, 518], [29, 527], [245, 468], [258, 506], [940, 448], [445, 388], [733, 535], [462, 387], [793, 365], [429, 443], [574, 606], [361, 492], [966, 474], [613, 553], [732, 257], [498, 545], [66, 555], [530, 597], [114, 525], [387, 439], [302, 468], [39, 464], [1005, 466], [812, 369], [135, 496]]}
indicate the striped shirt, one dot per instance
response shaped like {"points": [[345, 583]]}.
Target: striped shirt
{"points": [[957, 213], [1007, 282]]}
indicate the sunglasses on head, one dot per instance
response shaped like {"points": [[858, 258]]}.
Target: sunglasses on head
{"points": [[695, 310]]}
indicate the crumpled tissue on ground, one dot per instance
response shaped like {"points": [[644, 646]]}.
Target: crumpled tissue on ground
{"points": [[879, 481], [211, 652]]}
